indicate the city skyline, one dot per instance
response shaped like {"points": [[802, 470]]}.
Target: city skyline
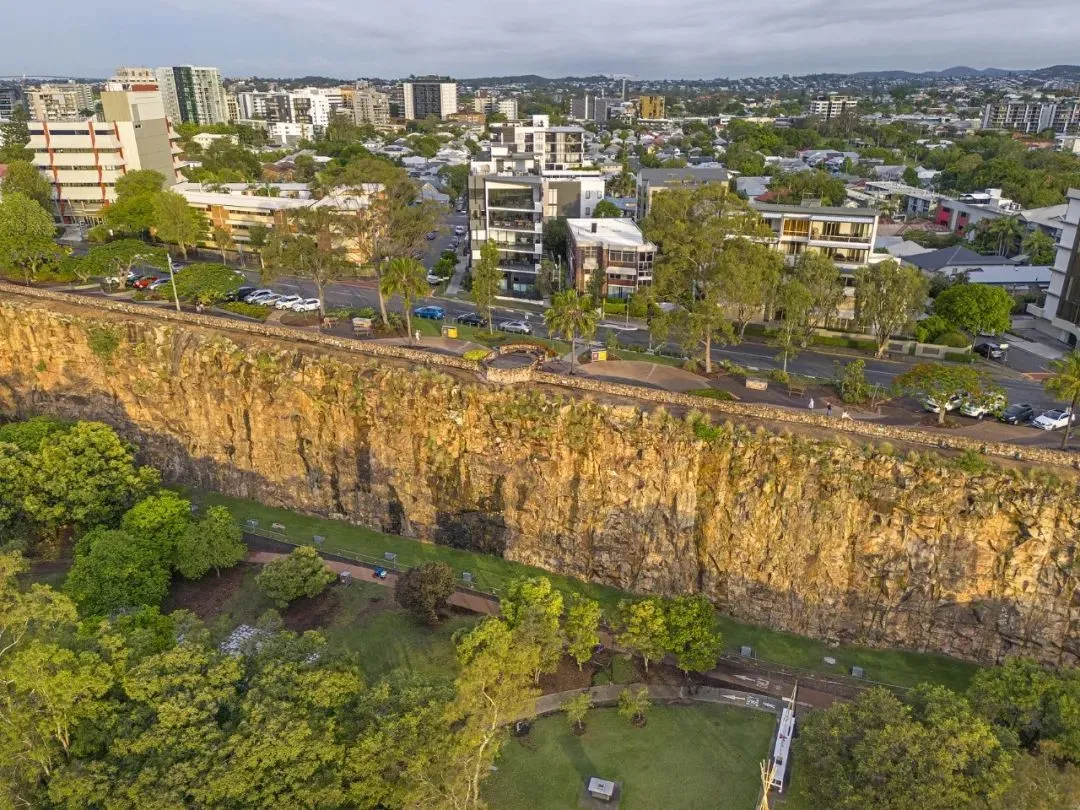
{"points": [[683, 39]]}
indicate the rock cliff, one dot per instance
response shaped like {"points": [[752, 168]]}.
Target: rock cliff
{"points": [[836, 540]]}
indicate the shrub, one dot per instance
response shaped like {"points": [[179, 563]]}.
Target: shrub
{"points": [[302, 573], [103, 341], [959, 357], [476, 354], [633, 704], [844, 342], [255, 311], [712, 393], [114, 569], [930, 329], [425, 590], [576, 708], [778, 375], [851, 382], [692, 364], [954, 339], [614, 307]]}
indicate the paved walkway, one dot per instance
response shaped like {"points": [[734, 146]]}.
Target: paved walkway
{"points": [[456, 280], [608, 694], [654, 375]]}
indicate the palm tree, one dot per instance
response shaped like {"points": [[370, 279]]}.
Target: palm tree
{"points": [[1009, 232], [571, 314], [1039, 247], [406, 277], [1064, 383]]}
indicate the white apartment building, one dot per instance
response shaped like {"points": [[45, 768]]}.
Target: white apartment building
{"points": [[551, 149], [831, 106], [370, 106], [1032, 117], [287, 133], [425, 96], [845, 235], [60, 102], [83, 159], [1059, 317], [193, 95], [310, 105], [652, 181], [487, 104], [614, 247], [133, 78]]}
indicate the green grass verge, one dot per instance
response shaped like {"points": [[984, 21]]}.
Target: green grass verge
{"points": [[645, 357], [699, 757], [713, 393], [491, 573]]}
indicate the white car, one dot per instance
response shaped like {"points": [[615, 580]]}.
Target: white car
{"points": [[286, 301], [459, 230], [434, 279], [983, 407], [268, 300], [954, 402], [255, 297], [306, 305], [515, 327], [1053, 420]]}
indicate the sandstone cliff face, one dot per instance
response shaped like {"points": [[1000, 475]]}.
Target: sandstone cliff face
{"points": [[830, 540]]}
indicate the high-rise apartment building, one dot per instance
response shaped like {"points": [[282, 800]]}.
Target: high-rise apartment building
{"points": [[552, 149], [1031, 117], [310, 105], [370, 106], [61, 102], [84, 159], [487, 104], [193, 95], [651, 108], [831, 106], [11, 96], [1059, 317], [425, 96], [134, 78]]}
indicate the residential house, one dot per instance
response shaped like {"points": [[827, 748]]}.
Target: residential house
{"points": [[614, 247]]}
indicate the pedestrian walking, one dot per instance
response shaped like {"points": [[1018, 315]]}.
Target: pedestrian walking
{"points": [[811, 404], [417, 335], [828, 409]]}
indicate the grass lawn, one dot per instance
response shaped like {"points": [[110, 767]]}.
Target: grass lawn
{"points": [[492, 573], [645, 357], [686, 757]]}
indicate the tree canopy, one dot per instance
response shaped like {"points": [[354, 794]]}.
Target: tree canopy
{"points": [[976, 308]]}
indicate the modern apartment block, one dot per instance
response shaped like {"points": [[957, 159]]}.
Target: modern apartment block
{"points": [[651, 108], [310, 105], [552, 149], [370, 106], [1059, 317], [424, 96], [598, 108], [487, 104], [614, 247], [193, 95], [84, 159], [133, 78], [831, 106], [845, 235], [11, 96], [651, 181], [1031, 117], [61, 102]]}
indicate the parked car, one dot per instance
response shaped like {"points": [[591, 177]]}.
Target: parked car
{"points": [[515, 327], [1017, 414], [454, 244], [994, 404], [144, 282], [306, 305], [286, 301], [158, 284], [255, 297], [955, 401], [240, 293], [431, 236], [435, 278], [991, 351], [433, 313], [1054, 420], [472, 319], [268, 300], [459, 230]]}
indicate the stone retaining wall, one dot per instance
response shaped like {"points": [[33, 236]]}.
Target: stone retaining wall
{"points": [[526, 375]]}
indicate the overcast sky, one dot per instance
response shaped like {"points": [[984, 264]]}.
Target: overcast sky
{"points": [[654, 39]]}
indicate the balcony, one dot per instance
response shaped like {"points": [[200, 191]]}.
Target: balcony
{"points": [[515, 224], [862, 240]]}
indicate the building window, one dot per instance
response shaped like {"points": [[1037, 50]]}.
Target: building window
{"points": [[587, 210], [588, 195]]}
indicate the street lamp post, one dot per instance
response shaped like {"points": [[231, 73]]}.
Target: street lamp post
{"points": [[172, 281]]}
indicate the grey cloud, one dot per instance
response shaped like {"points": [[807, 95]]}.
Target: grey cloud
{"points": [[676, 38]]}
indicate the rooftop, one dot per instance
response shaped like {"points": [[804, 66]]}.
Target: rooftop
{"points": [[688, 174], [821, 210], [955, 256], [609, 231]]}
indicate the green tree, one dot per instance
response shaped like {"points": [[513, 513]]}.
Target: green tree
{"points": [[258, 238], [29, 434], [1064, 383], [160, 520], [177, 222], [581, 628], [692, 634], [455, 180], [532, 607], [116, 259], [426, 590], [851, 381], [24, 178], [794, 303], [878, 752], [792, 188], [315, 251], [576, 709], [405, 276], [223, 241], [571, 314], [887, 297], [937, 383], [751, 273], [14, 136], [910, 176], [132, 215], [114, 569], [487, 280], [139, 182], [1039, 783], [1014, 696], [606, 209], [1040, 248], [215, 542], [26, 236], [634, 704], [302, 573], [208, 283], [28, 612], [643, 629], [84, 477], [976, 308], [821, 278], [557, 239]]}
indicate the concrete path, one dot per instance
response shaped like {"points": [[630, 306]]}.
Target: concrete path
{"points": [[440, 344], [654, 375], [608, 694], [456, 280]]}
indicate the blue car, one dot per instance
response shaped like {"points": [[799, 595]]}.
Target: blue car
{"points": [[434, 313]]}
